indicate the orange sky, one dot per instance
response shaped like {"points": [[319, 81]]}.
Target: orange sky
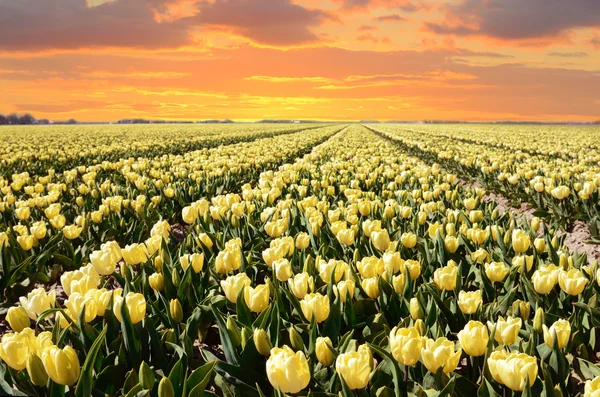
{"points": [[100, 60]]}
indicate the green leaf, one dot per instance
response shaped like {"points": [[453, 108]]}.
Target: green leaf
{"points": [[85, 383], [198, 379], [231, 353]]}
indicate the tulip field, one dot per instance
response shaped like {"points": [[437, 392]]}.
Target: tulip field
{"points": [[320, 260]]}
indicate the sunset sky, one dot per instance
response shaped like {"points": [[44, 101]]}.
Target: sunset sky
{"points": [[100, 60]]}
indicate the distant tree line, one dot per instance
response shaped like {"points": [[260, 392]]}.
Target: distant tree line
{"points": [[27, 119]]}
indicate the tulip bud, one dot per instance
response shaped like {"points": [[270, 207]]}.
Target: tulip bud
{"points": [[295, 339], [146, 376], [262, 342], [539, 320], [245, 337], [165, 388], [324, 354], [17, 318], [416, 312], [420, 327], [156, 281], [36, 371], [535, 224], [176, 310], [558, 391], [554, 242], [521, 309], [495, 214], [540, 245], [175, 278], [234, 332]]}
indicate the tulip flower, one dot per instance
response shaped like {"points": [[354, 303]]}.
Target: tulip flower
{"points": [[257, 299], [62, 365], [136, 306], [228, 260], [474, 338], [469, 302], [440, 353], [408, 240], [592, 387], [496, 271], [37, 302], [572, 282], [323, 352], [513, 370], [288, 371], [17, 318], [562, 329], [406, 345], [282, 269], [232, 285], [156, 281], [354, 367], [380, 240], [445, 277], [506, 330], [301, 284], [302, 240], [316, 305], [371, 287], [344, 289]]}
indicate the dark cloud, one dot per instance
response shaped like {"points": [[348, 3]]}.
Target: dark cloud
{"points": [[69, 24], [32, 25], [404, 5], [568, 54], [391, 18], [517, 19], [274, 22], [366, 28]]}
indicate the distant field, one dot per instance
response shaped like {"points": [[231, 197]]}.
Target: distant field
{"points": [[323, 260]]}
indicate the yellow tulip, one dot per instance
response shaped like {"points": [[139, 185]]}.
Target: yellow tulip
{"points": [[406, 345], [156, 281], [77, 302], [416, 312], [302, 240], [62, 365], [323, 352], [282, 269], [316, 305], [232, 285], [15, 347], [136, 306], [399, 282], [189, 214], [26, 242], [17, 318], [344, 289], [103, 261], [592, 387], [37, 302], [71, 232], [520, 241], [514, 370], [228, 260], [301, 284], [474, 338], [506, 330], [205, 239], [440, 353], [545, 278], [355, 367], [134, 254], [408, 240], [262, 342], [445, 277], [288, 371], [345, 237], [370, 266], [380, 240], [469, 302], [562, 329], [572, 282], [496, 271], [175, 310], [257, 299], [371, 286]]}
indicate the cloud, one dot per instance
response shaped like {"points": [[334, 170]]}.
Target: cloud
{"points": [[366, 28], [368, 37], [37, 25], [517, 19], [391, 18], [68, 24], [568, 54], [271, 22], [404, 5], [276, 79]]}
